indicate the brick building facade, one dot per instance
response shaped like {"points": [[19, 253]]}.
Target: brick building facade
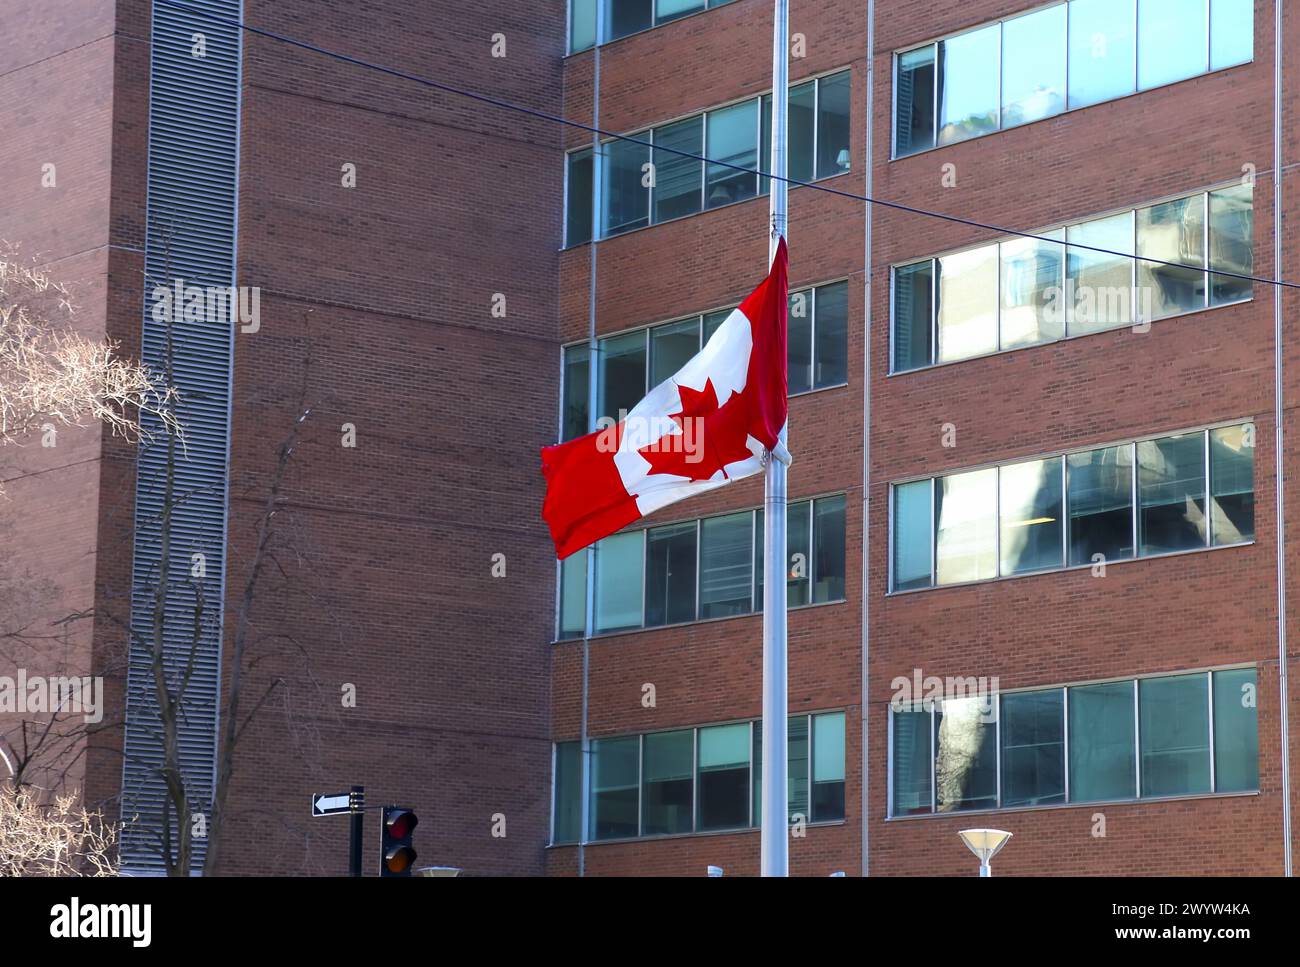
{"points": [[464, 697]]}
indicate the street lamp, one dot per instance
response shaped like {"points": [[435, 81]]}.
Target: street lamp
{"points": [[715, 871], [985, 844]]}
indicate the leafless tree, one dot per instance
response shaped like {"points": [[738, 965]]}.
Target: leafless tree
{"points": [[58, 838]]}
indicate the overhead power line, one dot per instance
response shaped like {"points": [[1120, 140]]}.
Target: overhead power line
{"points": [[793, 182]]}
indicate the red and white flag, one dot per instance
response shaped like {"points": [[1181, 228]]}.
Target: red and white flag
{"points": [[717, 420]]}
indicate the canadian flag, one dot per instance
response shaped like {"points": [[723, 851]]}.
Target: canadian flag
{"points": [[718, 419]]}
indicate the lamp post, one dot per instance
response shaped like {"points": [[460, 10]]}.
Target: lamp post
{"points": [[985, 844]]}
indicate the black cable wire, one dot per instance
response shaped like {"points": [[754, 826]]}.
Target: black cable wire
{"points": [[793, 182]]}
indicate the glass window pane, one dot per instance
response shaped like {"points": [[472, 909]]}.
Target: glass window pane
{"points": [[1033, 66], [912, 535], [1172, 232], [1101, 505], [724, 777], [577, 377], [732, 136], [577, 227], [968, 84], [622, 373], [796, 744], [914, 102], [1172, 41], [573, 595], [666, 10], [801, 122], [913, 315], [615, 766], [1232, 243], [625, 192], [799, 368], [1232, 32], [582, 24], [828, 767], [712, 320], [968, 303], [833, 155], [1232, 478], [668, 783], [619, 562], [799, 576], [678, 181], [670, 574], [831, 352], [1033, 748], [1175, 735], [1033, 281], [1099, 286], [1171, 493], [1102, 55], [672, 347], [966, 526], [726, 556], [911, 762], [623, 17], [966, 757], [1236, 731], [1102, 743], [1031, 523], [567, 807], [828, 549]]}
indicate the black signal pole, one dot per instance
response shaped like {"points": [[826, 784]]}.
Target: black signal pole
{"points": [[357, 804]]}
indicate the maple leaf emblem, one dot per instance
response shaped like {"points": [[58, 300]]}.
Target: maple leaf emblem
{"points": [[712, 436]]}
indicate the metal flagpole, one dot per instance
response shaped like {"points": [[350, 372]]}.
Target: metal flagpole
{"points": [[775, 853]]}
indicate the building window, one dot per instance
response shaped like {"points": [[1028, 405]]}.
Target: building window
{"points": [[615, 800], [577, 219], [723, 789], [697, 780], [566, 818], [1056, 287], [667, 783], [1176, 735], [636, 192], [633, 363], [966, 757], [1031, 515], [619, 560], [710, 568], [1018, 70], [671, 557], [1033, 748], [625, 17]]}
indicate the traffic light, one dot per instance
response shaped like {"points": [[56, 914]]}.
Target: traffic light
{"points": [[397, 856]]}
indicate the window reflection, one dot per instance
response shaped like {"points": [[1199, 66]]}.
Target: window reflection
{"points": [[965, 767], [1171, 493], [966, 526], [1033, 66], [1031, 516], [1232, 236], [1100, 286], [1172, 232], [1232, 475], [1173, 41], [1175, 735], [1103, 61], [968, 303], [1101, 504], [1033, 280], [968, 84]]}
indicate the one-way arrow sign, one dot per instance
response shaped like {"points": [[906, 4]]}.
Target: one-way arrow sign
{"points": [[330, 804]]}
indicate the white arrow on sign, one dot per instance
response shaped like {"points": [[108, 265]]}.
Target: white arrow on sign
{"points": [[330, 805]]}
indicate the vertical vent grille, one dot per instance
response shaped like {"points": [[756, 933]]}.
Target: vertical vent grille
{"points": [[193, 166]]}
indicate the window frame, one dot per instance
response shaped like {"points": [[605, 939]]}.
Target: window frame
{"points": [[934, 42], [1208, 673], [1136, 322], [645, 134], [1205, 430]]}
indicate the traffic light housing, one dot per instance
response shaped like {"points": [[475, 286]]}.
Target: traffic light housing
{"points": [[397, 856]]}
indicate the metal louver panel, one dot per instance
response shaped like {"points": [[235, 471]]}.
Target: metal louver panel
{"points": [[191, 232]]}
